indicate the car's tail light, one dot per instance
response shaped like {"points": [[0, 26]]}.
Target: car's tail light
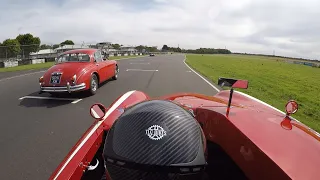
{"points": [[73, 79], [41, 79]]}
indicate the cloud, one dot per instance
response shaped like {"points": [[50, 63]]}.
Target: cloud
{"points": [[257, 26]]}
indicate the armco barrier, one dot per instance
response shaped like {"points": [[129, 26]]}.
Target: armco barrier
{"points": [[37, 61], [24, 62], [13, 63], [10, 63], [50, 59]]}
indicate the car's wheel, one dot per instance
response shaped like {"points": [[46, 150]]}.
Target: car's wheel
{"points": [[116, 72], [94, 84]]}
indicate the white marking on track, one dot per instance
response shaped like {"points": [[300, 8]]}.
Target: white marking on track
{"points": [[142, 70], [21, 75], [131, 58], [74, 101], [139, 63], [218, 90], [138, 60], [115, 105]]}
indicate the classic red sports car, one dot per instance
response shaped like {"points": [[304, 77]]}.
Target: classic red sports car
{"points": [[78, 70], [246, 138]]}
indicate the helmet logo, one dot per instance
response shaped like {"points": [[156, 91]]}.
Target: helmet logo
{"points": [[155, 132]]}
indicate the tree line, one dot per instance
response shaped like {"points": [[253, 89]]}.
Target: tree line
{"points": [[196, 51], [24, 44], [166, 48]]}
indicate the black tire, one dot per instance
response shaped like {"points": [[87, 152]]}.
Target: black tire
{"points": [[94, 84], [116, 72]]}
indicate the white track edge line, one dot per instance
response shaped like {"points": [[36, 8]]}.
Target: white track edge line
{"points": [[218, 90]]}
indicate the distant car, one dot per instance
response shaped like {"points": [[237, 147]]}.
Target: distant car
{"points": [[151, 54], [78, 70]]}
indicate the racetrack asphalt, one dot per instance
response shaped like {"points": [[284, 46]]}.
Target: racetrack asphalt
{"points": [[36, 134]]}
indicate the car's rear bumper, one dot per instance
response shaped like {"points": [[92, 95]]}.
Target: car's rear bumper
{"points": [[67, 88]]}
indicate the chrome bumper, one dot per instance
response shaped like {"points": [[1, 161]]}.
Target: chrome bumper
{"points": [[67, 88]]}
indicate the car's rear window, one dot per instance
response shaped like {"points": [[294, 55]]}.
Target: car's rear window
{"points": [[73, 57]]}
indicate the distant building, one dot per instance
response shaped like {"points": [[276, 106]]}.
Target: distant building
{"points": [[128, 49], [111, 50], [70, 47], [44, 53], [49, 53], [104, 45]]}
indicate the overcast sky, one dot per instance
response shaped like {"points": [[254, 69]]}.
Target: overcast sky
{"points": [[290, 27]]}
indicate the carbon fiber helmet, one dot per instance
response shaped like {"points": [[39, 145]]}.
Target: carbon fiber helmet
{"points": [[155, 139]]}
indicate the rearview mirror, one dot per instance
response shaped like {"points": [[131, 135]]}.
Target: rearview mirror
{"points": [[234, 83], [98, 111], [291, 107]]}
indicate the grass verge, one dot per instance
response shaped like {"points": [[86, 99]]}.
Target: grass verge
{"points": [[46, 65], [272, 80], [27, 67]]}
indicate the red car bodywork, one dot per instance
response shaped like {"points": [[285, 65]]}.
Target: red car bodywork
{"points": [[251, 135], [104, 69]]}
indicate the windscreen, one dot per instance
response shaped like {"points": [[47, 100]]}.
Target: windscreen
{"points": [[73, 57]]}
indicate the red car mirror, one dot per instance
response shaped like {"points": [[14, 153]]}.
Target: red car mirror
{"points": [[98, 111], [233, 83], [291, 107]]}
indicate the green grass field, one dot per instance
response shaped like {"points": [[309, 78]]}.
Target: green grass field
{"points": [[270, 80], [47, 65], [27, 67]]}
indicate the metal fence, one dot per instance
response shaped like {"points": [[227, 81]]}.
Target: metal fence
{"points": [[22, 52], [16, 52], [31, 54]]}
